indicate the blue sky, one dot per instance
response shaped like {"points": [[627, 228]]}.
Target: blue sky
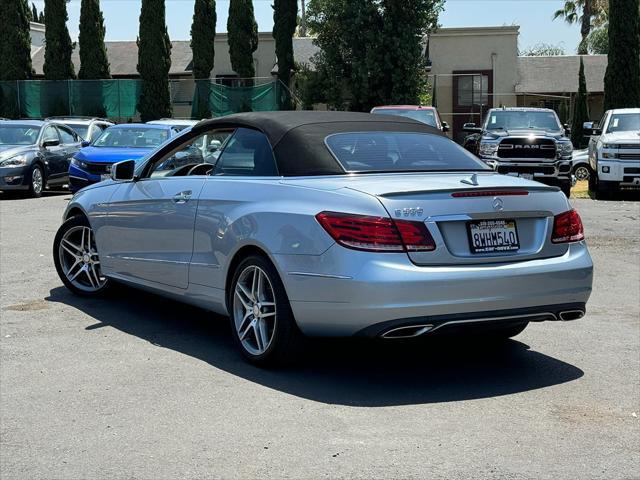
{"points": [[533, 16]]}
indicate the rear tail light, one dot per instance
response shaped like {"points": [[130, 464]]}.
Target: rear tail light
{"points": [[489, 193], [376, 234], [567, 227]]}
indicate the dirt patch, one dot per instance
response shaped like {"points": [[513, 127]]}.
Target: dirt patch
{"points": [[28, 306]]}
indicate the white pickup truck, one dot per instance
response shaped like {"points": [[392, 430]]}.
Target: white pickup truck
{"points": [[614, 152]]}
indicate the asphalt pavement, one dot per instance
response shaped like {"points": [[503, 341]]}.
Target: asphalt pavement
{"points": [[136, 386]]}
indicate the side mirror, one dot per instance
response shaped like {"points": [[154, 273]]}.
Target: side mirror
{"points": [[590, 129], [85, 143], [50, 143], [567, 129], [471, 128], [445, 127], [123, 171]]}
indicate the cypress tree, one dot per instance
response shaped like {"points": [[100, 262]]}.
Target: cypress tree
{"points": [[203, 35], [154, 61], [58, 46], [622, 79], [93, 54], [41, 18], [242, 37], [580, 110], [34, 13], [15, 40], [285, 19]]}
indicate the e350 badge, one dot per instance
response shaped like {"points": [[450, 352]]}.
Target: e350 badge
{"points": [[409, 212]]}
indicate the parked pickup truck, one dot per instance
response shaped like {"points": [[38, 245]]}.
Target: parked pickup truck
{"points": [[524, 142], [614, 151]]}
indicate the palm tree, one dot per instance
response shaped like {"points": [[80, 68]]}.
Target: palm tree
{"points": [[583, 12]]}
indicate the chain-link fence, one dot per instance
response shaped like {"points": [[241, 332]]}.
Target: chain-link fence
{"points": [[118, 99]]}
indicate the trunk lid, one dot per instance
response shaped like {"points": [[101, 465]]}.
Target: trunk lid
{"points": [[453, 204]]}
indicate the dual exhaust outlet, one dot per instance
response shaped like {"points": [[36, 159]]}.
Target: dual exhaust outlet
{"points": [[411, 331]]}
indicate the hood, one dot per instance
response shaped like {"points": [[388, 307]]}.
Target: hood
{"points": [[405, 183], [111, 154], [496, 134], [632, 136], [7, 151]]}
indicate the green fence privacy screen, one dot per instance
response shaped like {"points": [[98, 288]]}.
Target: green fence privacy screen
{"points": [[118, 99]]}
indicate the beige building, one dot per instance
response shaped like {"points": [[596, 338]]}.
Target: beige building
{"points": [[474, 69]]}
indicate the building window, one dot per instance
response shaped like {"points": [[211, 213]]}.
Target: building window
{"points": [[473, 90]]}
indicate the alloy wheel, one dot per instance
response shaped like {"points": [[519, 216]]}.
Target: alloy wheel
{"points": [[254, 310], [582, 173], [79, 259], [36, 181]]}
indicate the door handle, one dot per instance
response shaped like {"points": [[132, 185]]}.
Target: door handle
{"points": [[182, 197]]}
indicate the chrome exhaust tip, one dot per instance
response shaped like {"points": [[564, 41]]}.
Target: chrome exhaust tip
{"points": [[409, 331], [571, 315]]}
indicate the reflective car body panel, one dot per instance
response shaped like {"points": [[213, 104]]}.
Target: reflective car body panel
{"points": [[181, 236]]}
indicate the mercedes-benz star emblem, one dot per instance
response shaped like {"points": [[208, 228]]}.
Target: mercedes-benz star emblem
{"points": [[498, 204]]}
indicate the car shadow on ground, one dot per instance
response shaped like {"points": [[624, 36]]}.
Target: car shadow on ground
{"points": [[346, 372], [19, 195]]}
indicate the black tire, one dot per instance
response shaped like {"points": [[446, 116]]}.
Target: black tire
{"points": [[286, 339], [37, 181], [74, 223], [504, 332], [566, 188]]}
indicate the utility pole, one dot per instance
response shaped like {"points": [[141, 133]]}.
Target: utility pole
{"points": [[303, 19]]}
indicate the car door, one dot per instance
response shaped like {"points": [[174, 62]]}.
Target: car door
{"points": [[70, 143], [149, 233], [54, 155]]}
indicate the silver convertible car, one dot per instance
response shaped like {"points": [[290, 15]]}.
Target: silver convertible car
{"points": [[329, 224]]}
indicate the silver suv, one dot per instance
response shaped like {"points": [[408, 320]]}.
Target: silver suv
{"points": [[89, 128]]}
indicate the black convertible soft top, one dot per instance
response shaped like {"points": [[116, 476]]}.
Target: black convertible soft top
{"points": [[297, 138]]}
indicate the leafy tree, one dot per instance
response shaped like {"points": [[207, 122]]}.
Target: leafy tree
{"points": [[154, 62], [371, 50], [582, 12], [598, 41], [285, 13], [203, 35], [622, 79], [58, 46], [543, 50], [93, 53], [242, 37], [15, 40], [580, 110]]}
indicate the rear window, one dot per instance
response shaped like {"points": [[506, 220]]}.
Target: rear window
{"points": [[377, 152]]}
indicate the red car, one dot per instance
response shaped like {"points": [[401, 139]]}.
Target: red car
{"points": [[428, 115]]}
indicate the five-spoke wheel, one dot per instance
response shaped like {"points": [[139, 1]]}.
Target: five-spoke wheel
{"points": [[261, 317], [76, 257], [254, 310]]}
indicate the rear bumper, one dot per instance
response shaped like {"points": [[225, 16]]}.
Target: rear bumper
{"points": [[338, 294]]}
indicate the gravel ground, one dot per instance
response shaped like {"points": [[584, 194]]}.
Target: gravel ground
{"points": [[134, 386]]}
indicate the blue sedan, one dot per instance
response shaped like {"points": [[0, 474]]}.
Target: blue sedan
{"points": [[128, 141]]}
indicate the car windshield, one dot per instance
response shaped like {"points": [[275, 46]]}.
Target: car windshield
{"points": [[424, 115], [80, 129], [519, 120], [379, 152], [624, 122], [136, 137], [18, 134]]}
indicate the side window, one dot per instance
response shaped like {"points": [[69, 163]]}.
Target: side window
{"points": [[49, 134], [67, 136], [96, 131], [197, 156], [247, 153]]}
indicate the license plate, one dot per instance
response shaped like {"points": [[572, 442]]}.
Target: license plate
{"points": [[486, 236], [105, 176], [527, 176]]}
